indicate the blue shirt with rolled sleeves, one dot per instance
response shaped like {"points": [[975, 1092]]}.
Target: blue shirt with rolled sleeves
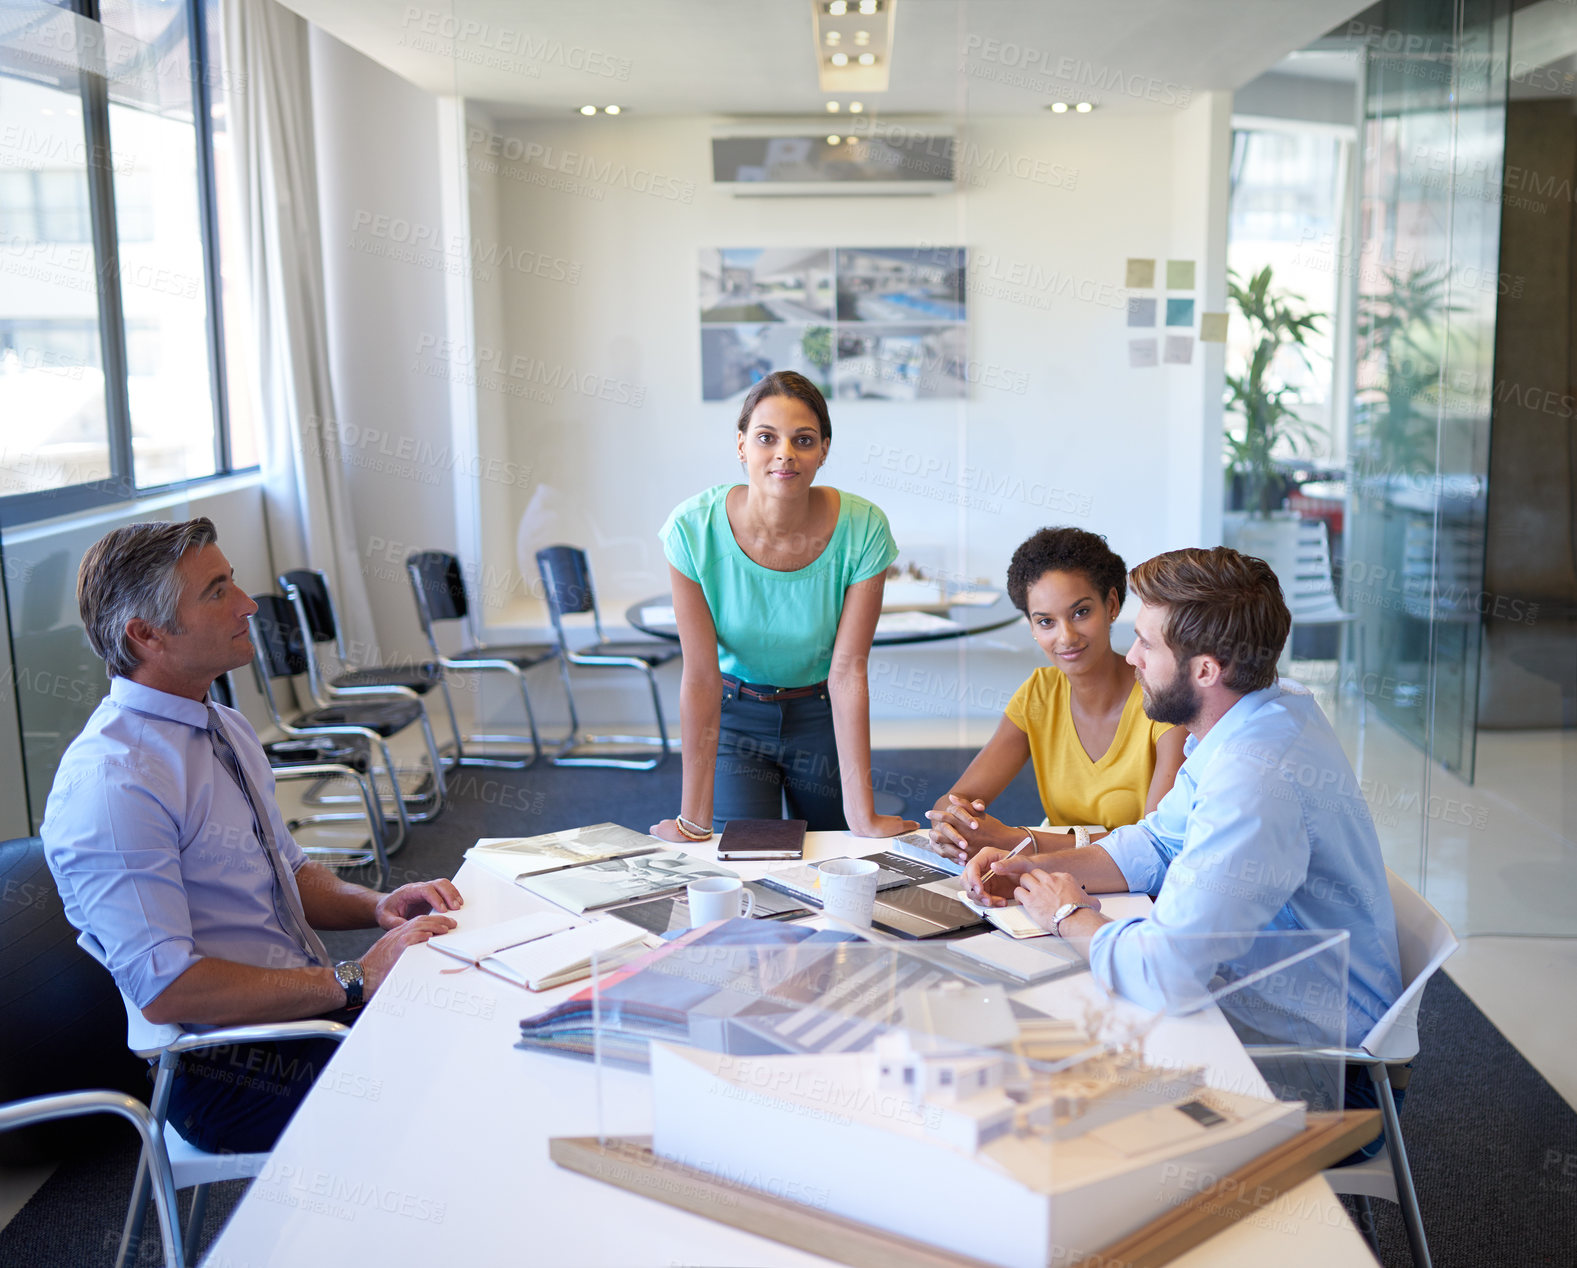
{"points": [[153, 844], [1264, 832]]}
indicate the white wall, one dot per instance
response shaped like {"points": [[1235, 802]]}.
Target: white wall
{"points": [[611, 293], [386, 257]]}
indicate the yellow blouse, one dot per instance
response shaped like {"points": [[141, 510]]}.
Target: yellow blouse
{"points": [[1073, 789]]}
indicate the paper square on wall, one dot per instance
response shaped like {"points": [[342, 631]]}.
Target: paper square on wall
{"points": [[1141, 275], [1179, 312], [1212, 327], [1179, 349], [1141, 312], [1141, 353], [1179, 275]]}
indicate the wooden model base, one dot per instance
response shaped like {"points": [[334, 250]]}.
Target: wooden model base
{"points": [[627, 1162]]}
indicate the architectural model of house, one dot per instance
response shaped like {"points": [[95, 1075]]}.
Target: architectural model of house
{"points": [[971, 1149]]}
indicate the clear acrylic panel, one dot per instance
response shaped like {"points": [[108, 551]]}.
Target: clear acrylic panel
{"points": [[861, 1079]]}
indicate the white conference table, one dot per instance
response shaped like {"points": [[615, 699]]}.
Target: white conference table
{"points": [[425, 1140]]}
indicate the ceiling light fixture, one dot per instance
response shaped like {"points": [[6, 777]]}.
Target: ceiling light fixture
{"points": [[834, 139], [610, 110], [869, 7], [862, 38], [588, 110], [1084, 107], [1059, 107], [867, 59], [837, 8], [832, 107], [839, 59], [856, 107], [834, 37]]}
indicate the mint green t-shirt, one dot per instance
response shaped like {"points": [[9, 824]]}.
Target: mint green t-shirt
{"points": [[775, 628]]}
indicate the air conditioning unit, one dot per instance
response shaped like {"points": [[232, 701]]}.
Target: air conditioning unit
{"points": [[835, 156]]}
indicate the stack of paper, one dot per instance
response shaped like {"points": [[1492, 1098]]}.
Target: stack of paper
{"points": [[512, 857]]}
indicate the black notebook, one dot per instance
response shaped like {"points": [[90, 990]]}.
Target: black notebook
{"points": [[762, 839]]}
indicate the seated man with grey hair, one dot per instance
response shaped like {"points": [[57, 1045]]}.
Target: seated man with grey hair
{"points": [[172, 857]]}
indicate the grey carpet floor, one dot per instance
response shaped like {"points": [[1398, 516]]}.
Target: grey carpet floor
{"points": [[1493, 1145]]}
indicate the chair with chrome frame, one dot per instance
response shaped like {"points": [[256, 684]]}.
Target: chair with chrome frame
{"points": [[1425, 941], [48, 1109], [569, 590], [191, 1167], [278, 637], [440, 593], [321, 620], [322, 759]]}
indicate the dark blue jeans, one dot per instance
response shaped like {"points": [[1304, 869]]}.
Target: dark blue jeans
{"points": [[772, 752], [238, 1099]]}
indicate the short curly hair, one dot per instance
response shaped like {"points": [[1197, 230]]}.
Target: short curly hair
{"points": [[1066, 550]]}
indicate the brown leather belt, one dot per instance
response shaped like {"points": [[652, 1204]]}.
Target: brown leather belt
{"points": [[773, 695]]}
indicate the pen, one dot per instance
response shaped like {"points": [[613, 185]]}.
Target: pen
{"points": [[1018, 849]]}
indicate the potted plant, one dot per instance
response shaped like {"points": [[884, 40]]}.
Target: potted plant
{"points": [[1264, 402]]}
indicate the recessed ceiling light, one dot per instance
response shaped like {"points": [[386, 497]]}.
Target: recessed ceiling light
{"points": [[839, 59], [862, 37], [868, 6], [834, 139], [834, 37], [610, 110], [856, 107], [867, 59], [588, 110], [1084, 107], [832, 107], [837, 8], [1059, 107]]}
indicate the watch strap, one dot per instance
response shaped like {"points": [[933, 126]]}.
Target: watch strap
{"points": [[1066, 910]]}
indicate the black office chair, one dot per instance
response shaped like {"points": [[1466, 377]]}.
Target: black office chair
{"points": [[322, 759], [569, 590], [278, 651], [440, 595]]}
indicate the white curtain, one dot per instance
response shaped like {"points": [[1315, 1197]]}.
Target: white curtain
{"points": [[306, 493]]}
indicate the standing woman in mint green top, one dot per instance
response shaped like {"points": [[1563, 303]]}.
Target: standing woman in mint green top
{"points": [[777, 585]]}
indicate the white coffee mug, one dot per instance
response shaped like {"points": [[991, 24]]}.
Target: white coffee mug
{"points": [[718, 898], [848, 890]]}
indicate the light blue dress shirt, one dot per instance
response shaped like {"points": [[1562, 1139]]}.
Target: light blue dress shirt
{"points": [[153, 844], [1265, 828]]}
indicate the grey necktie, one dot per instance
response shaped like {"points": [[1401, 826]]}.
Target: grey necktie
{"points": [[287, 898]]}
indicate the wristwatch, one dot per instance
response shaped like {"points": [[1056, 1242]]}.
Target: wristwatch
{"points": [[348, 974], [1066, 910]]}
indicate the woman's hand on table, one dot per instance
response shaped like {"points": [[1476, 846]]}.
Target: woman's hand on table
{"points": [[876, 825], [961, 828], [668, 830]]}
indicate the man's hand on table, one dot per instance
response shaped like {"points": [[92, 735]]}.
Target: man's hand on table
{"points": [[377, 963], [961, 828], [999, 890], [1042, 893], [402, 905]]}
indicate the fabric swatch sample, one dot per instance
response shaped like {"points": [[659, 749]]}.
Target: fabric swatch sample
{"points": [[1179, 275], [1141, 275], [1141, 353], [1179, 312], [1179, 349], [1141, 311], [1212, 327]]}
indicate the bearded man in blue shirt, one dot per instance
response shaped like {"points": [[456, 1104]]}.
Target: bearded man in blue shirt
{"points": [[172, 857], [1264, 830]]}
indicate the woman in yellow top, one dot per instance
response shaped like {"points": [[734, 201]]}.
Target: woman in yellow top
{"points": [[1099, 761]]}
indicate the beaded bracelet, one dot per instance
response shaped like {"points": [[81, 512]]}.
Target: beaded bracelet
{"points": [[693, 831]]}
